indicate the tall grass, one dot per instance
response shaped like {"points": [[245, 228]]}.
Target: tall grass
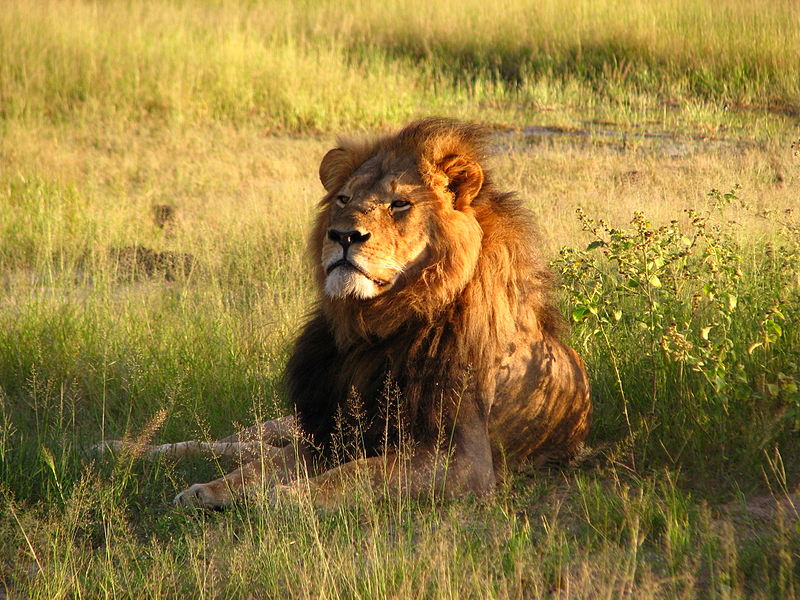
{"points": [[324, 65], [87, 352], [110, 110]]}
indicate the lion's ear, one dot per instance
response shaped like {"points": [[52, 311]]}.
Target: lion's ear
{"points": [[334, 169], [464, 179]]}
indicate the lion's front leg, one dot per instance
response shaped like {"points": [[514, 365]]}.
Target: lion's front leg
{"points": [[426, 474], [385, 476], [275, 466]]}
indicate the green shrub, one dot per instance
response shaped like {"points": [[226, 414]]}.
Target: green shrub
{"points": [[689, 334]]}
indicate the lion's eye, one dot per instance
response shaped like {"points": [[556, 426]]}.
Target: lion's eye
{"points": [[400, 205], [342, 199]]}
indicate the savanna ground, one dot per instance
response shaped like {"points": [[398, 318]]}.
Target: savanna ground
{"points": [[634, 112]]}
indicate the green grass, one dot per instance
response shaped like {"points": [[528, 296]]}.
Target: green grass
{"points": [[327, 65], [223, 110], [86, 353]]}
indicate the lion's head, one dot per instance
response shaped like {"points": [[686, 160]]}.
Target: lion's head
{"points": [[398, 212], [406, 221]]}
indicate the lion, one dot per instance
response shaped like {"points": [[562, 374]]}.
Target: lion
{"points": [[435, 330]]}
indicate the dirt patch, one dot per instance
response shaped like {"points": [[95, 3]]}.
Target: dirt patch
{"points": [[164, 217], [140, 262]]}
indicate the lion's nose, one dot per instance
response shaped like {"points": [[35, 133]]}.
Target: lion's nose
{"points": [[345, 238]]}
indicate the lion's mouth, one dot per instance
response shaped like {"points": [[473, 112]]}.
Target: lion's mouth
{"points": [[343, 262]]}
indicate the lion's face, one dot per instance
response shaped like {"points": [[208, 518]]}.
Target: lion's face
{"points": [[377, 230], [397, 217]]}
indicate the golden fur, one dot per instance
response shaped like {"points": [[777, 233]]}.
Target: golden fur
{"points": [[451, 318]]}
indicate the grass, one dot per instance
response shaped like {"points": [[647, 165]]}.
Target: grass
{"points": [[325, 65], [222, 110]]}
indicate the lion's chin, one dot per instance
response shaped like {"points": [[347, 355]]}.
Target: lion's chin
{"points": [[343, 282]]}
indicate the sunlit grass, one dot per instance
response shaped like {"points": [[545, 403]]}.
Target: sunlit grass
{"points": [[86, 353], [325, 65], [222, 111]]}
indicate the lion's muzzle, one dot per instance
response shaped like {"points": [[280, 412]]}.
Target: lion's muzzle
{"points": [[344, 275]]}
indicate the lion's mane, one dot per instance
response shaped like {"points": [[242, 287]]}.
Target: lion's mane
{"points": [[414, 350]]}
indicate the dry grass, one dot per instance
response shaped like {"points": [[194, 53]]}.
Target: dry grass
{"points": [[235, 187], [84, 359], [222, 110], [325, 65]]}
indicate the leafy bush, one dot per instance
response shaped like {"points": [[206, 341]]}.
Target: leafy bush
{"points": [[696, 329]]}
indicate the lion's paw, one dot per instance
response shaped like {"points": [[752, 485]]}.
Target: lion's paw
{"points": [[202, 495]]}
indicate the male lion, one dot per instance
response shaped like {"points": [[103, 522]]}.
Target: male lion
{"points": [[434, 329]]}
